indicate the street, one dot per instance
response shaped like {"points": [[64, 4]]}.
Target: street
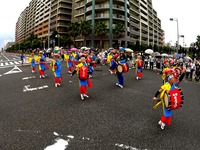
{"points": [[34, 114]]}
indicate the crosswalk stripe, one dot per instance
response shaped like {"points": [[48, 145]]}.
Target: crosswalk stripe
{"points": [[16, 62], [1, 64], [11, 63], [6, 63]]}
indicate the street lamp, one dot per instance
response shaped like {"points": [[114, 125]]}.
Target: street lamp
{"points": [[175, 19], [48, 21], [182, 36]]}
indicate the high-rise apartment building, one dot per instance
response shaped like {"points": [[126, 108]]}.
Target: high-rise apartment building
{"points": [[61, 11], [30, 18], [20, 33], [138, 16], [42, 17]]}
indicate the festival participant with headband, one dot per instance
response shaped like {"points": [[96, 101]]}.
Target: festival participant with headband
{"points": [[118, 67], [83, 75], [176, 98], [76, 57], [42, 65], [56, 68], [138, 67], [69, 61]]}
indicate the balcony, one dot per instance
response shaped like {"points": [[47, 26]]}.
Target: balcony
{"points": [[102, 15], [62, 24], [117, 16], [102, 6], [145, 29], [64, 12], [118, 7], [133, 2], [64, 18], [144, 35], [135, 24], [89, 17], [89, 9], [134, 32], [65, 6]]}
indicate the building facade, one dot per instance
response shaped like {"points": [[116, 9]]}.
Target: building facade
{"points": [[20, 31], [138, 16], [140, 19], [42, 18]]}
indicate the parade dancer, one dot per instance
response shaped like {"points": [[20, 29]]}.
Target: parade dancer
{"points": [[33, 65], [56, 68], [138, 68], [70, 61], [22, 59], [117, 68], [83, 75], [172, 84], [42, 65]]}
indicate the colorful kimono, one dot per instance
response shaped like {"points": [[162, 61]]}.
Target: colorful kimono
{"points": [[33, 64], [42, 66], [120, 77], [57, 71]]}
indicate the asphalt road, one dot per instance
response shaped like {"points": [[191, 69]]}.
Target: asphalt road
{"points": [[111, 119]]}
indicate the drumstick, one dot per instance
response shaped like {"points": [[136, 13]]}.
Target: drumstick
{"points": [[158, 104]]}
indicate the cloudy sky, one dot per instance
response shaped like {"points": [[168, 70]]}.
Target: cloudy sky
{"points": [[186, 12]]}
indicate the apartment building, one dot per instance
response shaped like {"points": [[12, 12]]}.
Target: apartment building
{"points": [[30, 18], [138, 16], [42, 18], [61, 11], [20, 31]]}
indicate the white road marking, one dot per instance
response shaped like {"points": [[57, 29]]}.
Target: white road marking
{"points": [[28, 89], [123, 146], [5, 56], [2, 64], [26, 78], [60, 144], [11, 63], [16, 62], [14, 70], [6, 63], [0, 75]]}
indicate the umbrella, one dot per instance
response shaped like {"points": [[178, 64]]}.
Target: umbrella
{"points": [[149, 51], [157, 54], [187, 58], [164, 54], [83, 48], [128, 50], [73, 49]]}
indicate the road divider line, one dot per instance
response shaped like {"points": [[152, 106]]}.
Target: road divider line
{"points": [[28, 89], [26, 78], [5, 56]]}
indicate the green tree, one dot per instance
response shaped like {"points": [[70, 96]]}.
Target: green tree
{"points": [[198, 41], [155, 48], [100, 29], [137, 46], [73, 30], [119, 30], [85, 29], [36, 43]]}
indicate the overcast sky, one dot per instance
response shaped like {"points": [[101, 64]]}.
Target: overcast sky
{"points": [[185, 10]]}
